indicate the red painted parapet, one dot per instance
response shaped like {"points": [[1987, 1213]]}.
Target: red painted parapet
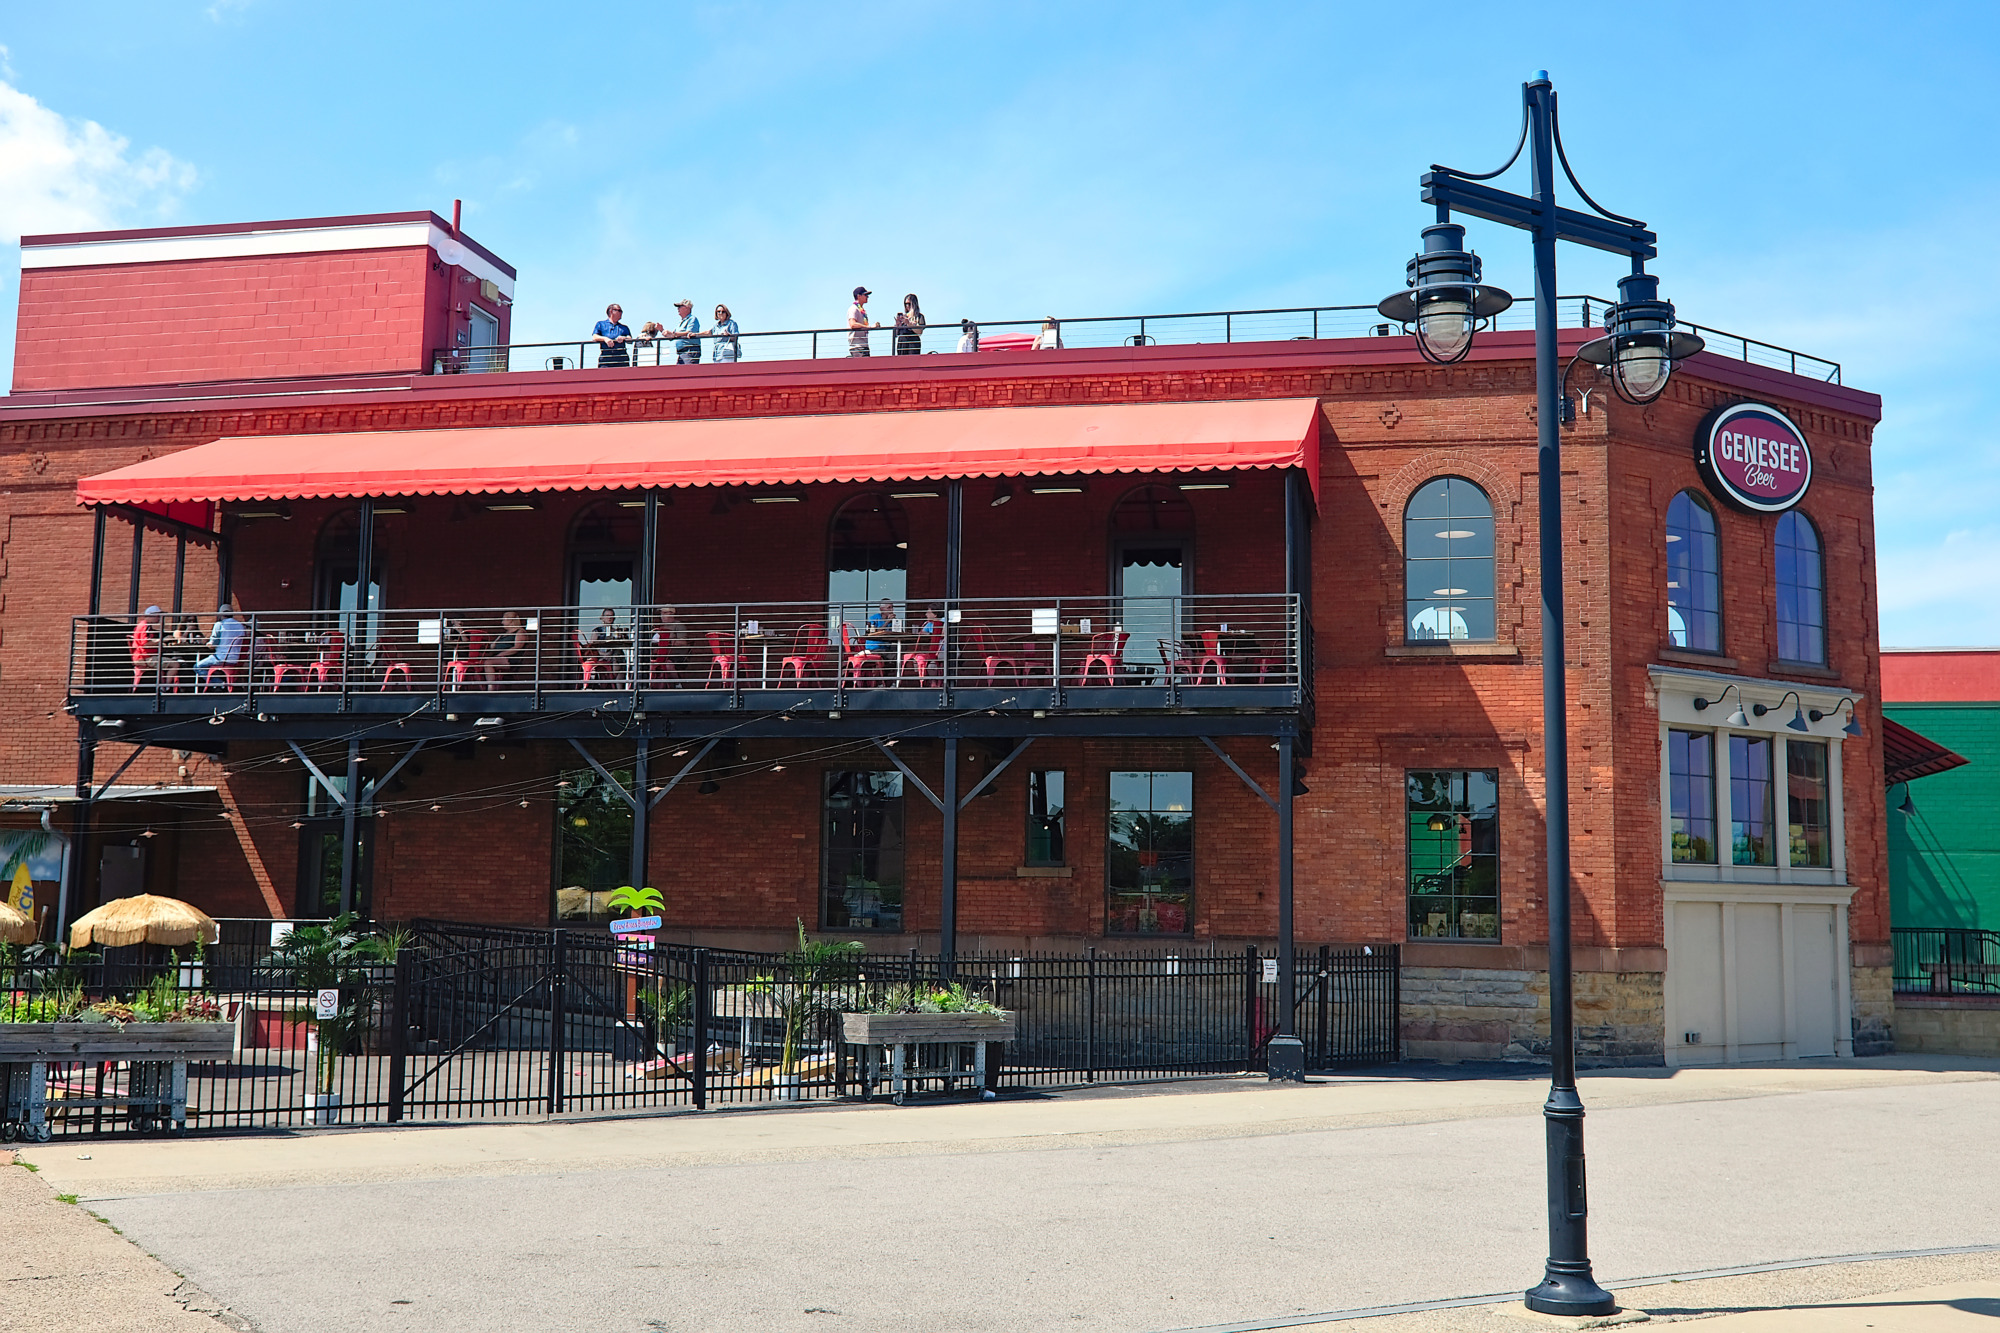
{"points": [[276, 300]]}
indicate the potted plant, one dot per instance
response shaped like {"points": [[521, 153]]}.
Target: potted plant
{"points": [[814, 983], [338, 956], [926, 1014]]}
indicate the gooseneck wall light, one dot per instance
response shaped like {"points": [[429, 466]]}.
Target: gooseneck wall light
{"points": [[1445, 304]]}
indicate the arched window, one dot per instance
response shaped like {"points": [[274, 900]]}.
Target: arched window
{"points": [[604, 543], [1801, 591], [867, 559], [1448, 562], [1694, 564]]}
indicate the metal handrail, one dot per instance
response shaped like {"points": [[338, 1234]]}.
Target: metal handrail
{"points": [[1273, 324]]}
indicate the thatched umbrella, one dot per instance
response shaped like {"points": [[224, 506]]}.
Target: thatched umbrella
{"points": [[16, 926], [144, 919]]}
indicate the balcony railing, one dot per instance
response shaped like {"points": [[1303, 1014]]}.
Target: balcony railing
{"points": [[1003, 338], [1944, 960], [1192, 652]]}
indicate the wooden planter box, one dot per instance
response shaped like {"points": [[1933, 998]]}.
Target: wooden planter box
{"points": [[95, 1043], [927, 1029]]}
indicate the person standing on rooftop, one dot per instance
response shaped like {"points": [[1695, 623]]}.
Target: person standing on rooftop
{"points": [[858, 325], [1050, 338], [727, 348], [687, 349], [968, 336], [611, 335], [909, 336]]}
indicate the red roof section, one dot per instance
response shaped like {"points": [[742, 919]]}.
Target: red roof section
{"points": [[1940, 675], [789, 450]]}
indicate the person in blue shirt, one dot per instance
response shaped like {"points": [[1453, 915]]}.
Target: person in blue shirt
{"points": [[612, 335], [883, 618], [225, 643], [727, 348], [687, 350]]}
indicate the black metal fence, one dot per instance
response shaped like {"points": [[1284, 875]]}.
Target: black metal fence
{"points": [[1947, 960], [473, 1022]]}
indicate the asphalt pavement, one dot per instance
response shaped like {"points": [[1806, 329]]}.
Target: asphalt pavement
{"points": [[1226, 1205]]}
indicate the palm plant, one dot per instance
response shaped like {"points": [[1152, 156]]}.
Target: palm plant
{"points": [[638, 902], [334, 956], [810, 987]]}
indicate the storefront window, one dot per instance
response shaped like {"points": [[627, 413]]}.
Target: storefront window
{"points": [[1045, 817], [1448, 562], [1801, 591], [593, 844], [1453, 818], [1150, 875], [1809, 805], [1751, 837], [861, 885], [1691, 796], [1694, 597]]}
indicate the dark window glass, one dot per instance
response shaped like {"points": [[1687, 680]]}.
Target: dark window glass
{"points": [[1691, 796], [1750, 815], [867, 561], [1045, 817], [1150, 873], [861, 887], [1694, 565], [593, 843], [1809, 807], [1453, 816], [1448, 562], [1801, 591]]}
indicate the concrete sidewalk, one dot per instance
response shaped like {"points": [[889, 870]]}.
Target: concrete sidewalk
{"points": [[1227, 1205]]}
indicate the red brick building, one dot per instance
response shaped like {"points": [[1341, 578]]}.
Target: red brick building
{"points": [[1118, 574]]}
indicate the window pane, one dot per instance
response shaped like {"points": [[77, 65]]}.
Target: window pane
{"points": [[1691, 796], [1045, 817], [1750, 816], [1448, 578], [1801, 591], [1150, 858], [1453, 824], [1694, 599], [1809, 808], [862, 850], [593, 846]]}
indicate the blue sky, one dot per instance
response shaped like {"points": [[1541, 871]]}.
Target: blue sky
{"points": [[1823, 176]]}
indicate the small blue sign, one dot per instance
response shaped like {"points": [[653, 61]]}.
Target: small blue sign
{"points": [[635, 923]]}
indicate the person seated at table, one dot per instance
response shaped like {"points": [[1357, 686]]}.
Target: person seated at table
{"points": [[667, 645], [226, 643], [934, 621], [498, 663], [882, 619], [608, 641], [148, 636]]}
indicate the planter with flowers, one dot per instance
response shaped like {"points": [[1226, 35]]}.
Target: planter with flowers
{"points": [[904, 1017]]}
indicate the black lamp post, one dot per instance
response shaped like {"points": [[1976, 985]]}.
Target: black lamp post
{"points": [[1446, 304]]}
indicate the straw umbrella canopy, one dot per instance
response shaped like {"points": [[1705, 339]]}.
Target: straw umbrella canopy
{"points": [[16, 926], [144, 919]]}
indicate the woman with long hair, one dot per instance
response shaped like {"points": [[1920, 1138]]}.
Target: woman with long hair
{"points": [[727, 348], [909, 335]]}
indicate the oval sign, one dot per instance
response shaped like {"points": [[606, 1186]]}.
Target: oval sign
{"points": [[1753, 457]]}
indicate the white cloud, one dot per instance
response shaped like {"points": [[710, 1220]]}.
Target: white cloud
{"points": [[1941, 593], [220, 8], [59, 174]]}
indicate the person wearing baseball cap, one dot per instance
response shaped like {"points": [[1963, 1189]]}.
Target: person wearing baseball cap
{"points": [[858, 325], [687, 349]]}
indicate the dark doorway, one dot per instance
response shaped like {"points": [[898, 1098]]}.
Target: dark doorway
{"points": [[1152, 549]]}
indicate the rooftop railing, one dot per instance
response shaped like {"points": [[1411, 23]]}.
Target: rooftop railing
{"points": [[1020, 336], [1219, 651]]}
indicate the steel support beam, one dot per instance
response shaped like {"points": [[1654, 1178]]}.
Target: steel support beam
{"points": [[349, 833], [642, 811], [138, 568], [948, 894]]}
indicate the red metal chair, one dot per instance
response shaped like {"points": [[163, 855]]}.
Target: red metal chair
{"points": [[808, 654], [925, 657], [392, 669], [328, 668], [230, 676], [973, 648], [1177, 661], [283, 669], [660, 665], [1212, 655], [1105, 649], [467, 662], [859, 662], [725, 660], [591, 663]]}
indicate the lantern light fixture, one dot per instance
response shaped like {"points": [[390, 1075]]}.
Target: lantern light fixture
{"points": [[1445, 301], [1641, 346]]}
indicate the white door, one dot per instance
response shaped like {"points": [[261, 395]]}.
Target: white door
{"points": [[1760, 982], [1815, 980], [1694, 962], [485, 355]]}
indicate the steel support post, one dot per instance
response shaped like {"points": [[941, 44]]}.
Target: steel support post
{"points": [[948, 896], [350, 803], [97, 562], [76, 874], [642, 809], [1567, 1286], [1285, 1057], [180, 571], [138, 568]]}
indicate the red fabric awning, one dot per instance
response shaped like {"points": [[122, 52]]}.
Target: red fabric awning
{"points": [[859, 446], [1908, 755]]}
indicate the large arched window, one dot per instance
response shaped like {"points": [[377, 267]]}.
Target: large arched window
{"points": [[1801, 591], [1448, 562], [1694, 564], [867, 559]]}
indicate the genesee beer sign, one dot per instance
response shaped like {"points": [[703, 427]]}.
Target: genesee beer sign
{"points": [[1754, 458]]}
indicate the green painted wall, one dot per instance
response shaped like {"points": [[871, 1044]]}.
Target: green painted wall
{"points": [[1944, 863]]}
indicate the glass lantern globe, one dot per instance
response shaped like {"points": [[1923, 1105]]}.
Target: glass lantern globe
{"points": [[1444, 300]]}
